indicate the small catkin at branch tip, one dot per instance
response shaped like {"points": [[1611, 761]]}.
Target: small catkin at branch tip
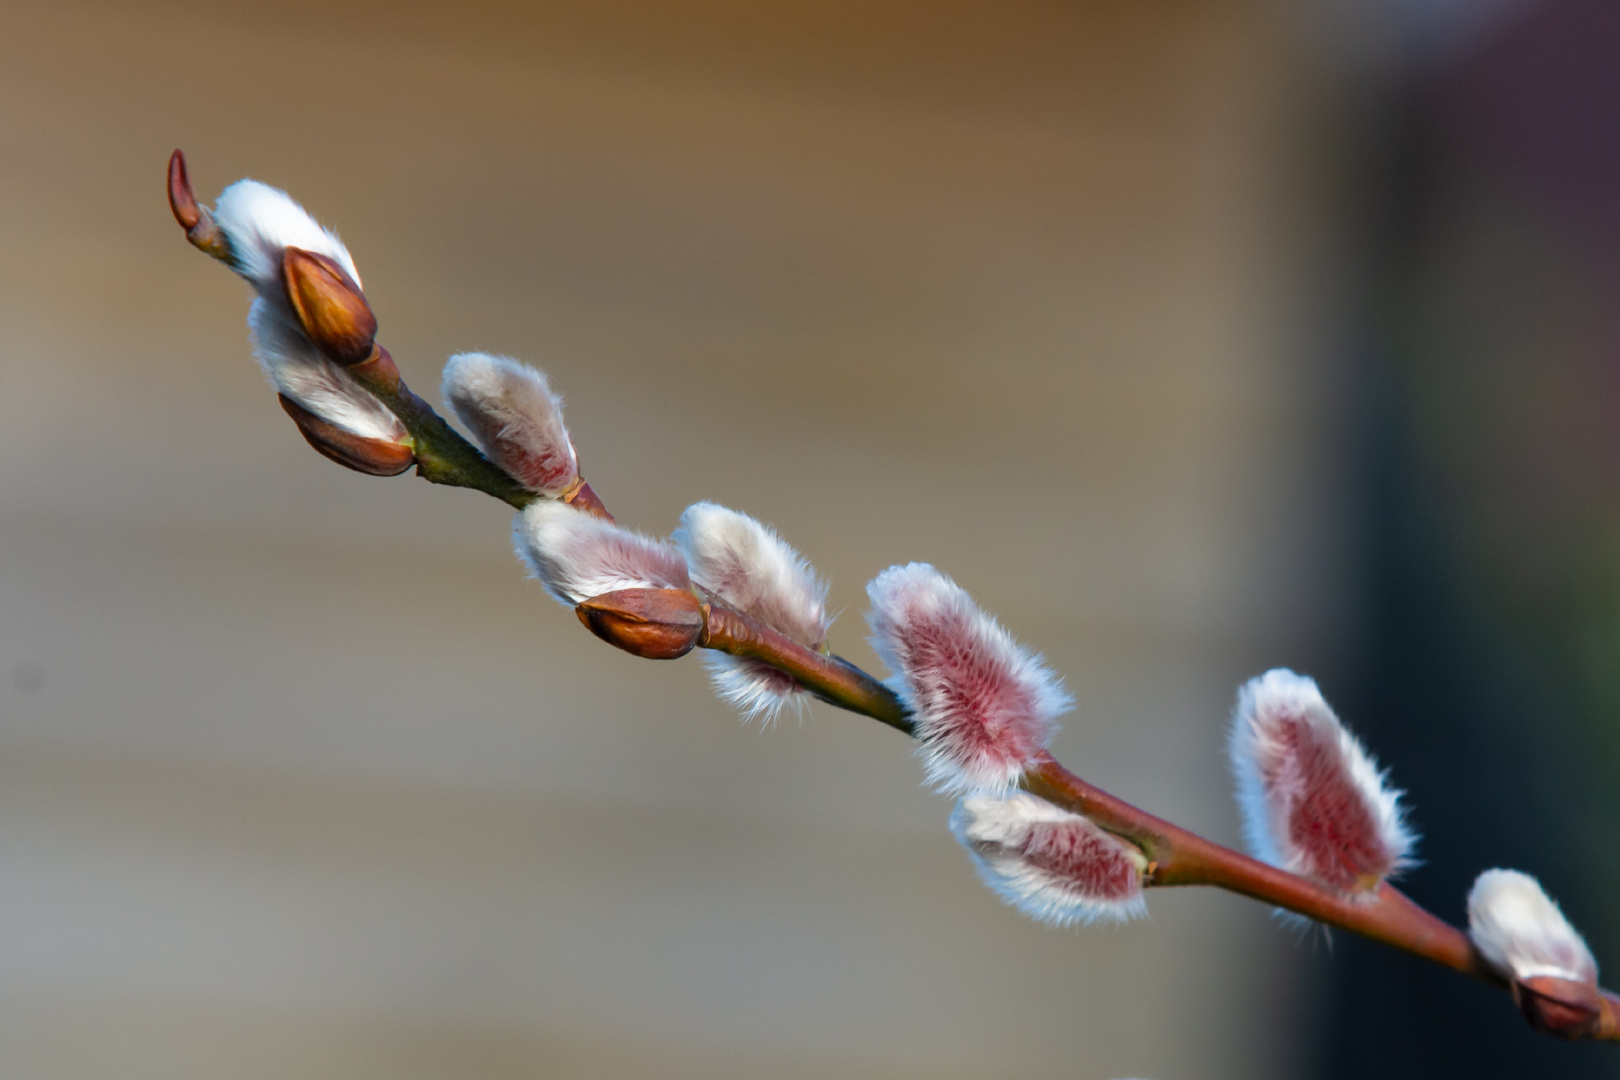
{"points": [[1524, 937], [577, 555], [983, 707], [1053, 865], [1313, 801], [1521, 932], [755, 571], [517, 420]]}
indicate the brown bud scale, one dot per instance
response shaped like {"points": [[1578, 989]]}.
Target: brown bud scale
{"points": [[331, 307], [655, 624], [1560, 1007], [375, 457], [583, 498]]}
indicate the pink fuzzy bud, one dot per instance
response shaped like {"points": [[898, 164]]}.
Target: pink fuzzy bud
{"points": [[516, 419], [578, 555], [1313, 801], [981, 705], [1050, 864], [755, 571]]}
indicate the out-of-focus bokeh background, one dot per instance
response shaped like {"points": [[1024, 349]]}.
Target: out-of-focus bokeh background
{"points": [[1193, 338]]}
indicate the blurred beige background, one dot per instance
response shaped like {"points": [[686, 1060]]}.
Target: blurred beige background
{"points": [[299, 777]]}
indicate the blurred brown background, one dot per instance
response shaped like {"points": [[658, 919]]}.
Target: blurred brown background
{"points": [[1104, 308]]}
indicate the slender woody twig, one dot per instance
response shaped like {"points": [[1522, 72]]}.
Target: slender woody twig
{"points": [[667, 623]]}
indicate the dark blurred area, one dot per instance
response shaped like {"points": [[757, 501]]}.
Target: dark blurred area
{"points": [[1488, 656], [1193, 338]]}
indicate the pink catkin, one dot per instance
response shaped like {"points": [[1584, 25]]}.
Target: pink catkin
{"points": [[1085, 859], [1053, 865], [982, 706], [1314, 802]]}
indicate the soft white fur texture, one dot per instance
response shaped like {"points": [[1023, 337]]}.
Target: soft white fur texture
{"points": [[578, 556], [1313, 801], [516, 418], [756, 571], [983, 706], [1052, 865], [1520, 931], [259, 221], [298, 370]]}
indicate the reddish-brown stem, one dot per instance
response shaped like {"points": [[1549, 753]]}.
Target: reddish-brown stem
{"points": [[830, 678]]}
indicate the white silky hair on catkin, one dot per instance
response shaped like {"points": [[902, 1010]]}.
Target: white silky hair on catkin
{"points": [[999, 834], [1521, 932], [297, 369], [983, 706], [1261, 702], [754, 570], [260, 221], [577, 555], [749, 566], [516, 418], [752, 687]]}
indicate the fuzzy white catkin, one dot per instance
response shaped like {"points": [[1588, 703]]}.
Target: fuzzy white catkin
{"points": [[983, 706], [754, 570], [259, 223], [517, 420], [1521, 932], [578, 556], [1313, 801], [297, 369]]}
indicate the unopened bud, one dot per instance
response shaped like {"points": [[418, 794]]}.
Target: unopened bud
{"points": [[195, 219], [376, 457], [655, 624], [329, 305], [1562, 1007]]}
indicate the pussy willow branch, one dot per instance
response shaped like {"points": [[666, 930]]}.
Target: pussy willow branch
{"points": [[1176, 855]]}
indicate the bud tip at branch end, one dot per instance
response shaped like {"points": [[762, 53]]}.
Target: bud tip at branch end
{"points": [[199, 224]]}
